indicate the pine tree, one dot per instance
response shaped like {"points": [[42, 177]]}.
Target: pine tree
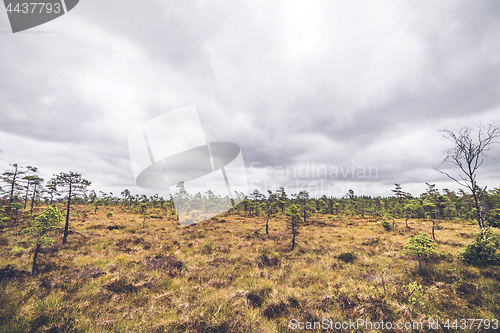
{"points": [[295, 219], [420, 247], [73, 185], [48, 220]]}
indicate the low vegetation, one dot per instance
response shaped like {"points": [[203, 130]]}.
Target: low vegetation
{"points": [[227, 275]]}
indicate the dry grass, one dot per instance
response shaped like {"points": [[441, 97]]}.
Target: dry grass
{"points": [[226, 275]]}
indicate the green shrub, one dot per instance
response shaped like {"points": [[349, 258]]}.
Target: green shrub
{"points": [[387, 225], [109, 215], [483, 251], [17, 250], [420, 247], [493, 218]]}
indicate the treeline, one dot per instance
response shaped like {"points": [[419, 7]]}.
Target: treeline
{"points": [[432, 204], [22, 190]]}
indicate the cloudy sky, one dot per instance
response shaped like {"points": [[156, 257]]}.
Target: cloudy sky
{"points": [[300, 86]]}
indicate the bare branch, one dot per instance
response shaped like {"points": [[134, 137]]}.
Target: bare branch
{"points": [[454, 179], [469, 154]]}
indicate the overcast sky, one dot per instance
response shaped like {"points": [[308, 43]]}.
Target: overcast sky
{"points": [[300, 86]]}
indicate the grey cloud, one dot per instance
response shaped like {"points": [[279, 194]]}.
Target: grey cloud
{"points": [[337, 101]]}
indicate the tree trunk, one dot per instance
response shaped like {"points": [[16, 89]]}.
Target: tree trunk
{"points": [[293, 234], [26, 196], [267, 223], [11, 199], [66, 226], [35, 255], [433, 237], [33, 199], [477, 204]]}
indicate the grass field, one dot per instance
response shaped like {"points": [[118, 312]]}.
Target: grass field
{"points": [[227, 275]]}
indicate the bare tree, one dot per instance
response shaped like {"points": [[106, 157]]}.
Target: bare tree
{"points": [[468, 154]]}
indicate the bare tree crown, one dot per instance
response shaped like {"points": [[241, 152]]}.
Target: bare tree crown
{"points": [[468, 153]]}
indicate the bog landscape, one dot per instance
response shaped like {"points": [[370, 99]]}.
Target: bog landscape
{"points": [[73, 260]]}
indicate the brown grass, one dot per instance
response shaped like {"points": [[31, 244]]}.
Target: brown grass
{"points": [[227, 275]]}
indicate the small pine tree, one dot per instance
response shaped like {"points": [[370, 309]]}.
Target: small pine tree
{"points": [[72, 184], [409, 210], [484, 250], [387, 225], [16, 208], [305, 204], [420, 247], [48, 220], [270, 206], [295, 220]]}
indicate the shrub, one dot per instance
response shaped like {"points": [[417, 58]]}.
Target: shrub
{"points": [[257, 297], [483, 251], [47, 221], [109, 215], [420, 247], [387, 225], [265, 260], [274, 310], [347, 257], [493, 218], [17, 250]]}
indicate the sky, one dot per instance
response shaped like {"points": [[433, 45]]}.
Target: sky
{"points": [[323, 96]]}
